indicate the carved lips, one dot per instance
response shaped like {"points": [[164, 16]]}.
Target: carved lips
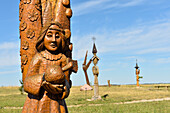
{"points": [[53, 45]]}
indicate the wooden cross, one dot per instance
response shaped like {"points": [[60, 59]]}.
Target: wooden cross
{"points": [[93, 38]]}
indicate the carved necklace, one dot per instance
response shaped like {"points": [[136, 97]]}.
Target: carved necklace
{"points": [[48, 56]]}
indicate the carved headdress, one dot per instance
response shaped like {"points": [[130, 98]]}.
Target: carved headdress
{"points": [[57, 12]]}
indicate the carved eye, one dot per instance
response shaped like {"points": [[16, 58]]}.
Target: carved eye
{"points": [[49, 35], [57, 36]]}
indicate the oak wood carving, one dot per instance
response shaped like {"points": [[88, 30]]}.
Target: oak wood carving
{"points": [[46, 54]]}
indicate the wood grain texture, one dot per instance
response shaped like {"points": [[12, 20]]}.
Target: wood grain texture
{"points": [[46, 54]]}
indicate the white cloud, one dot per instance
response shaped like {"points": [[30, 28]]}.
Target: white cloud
{"points": [[131, 3], [9, 55], [9, 58], [145, 39], [154, 50], [98, 5], [9, 45], [108, 69], [87, 6], [8, 72], [163, 60], [128, 3]]}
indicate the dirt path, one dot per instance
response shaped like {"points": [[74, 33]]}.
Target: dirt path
{"points": [[140, 101], [130, 102], [12, 107], [10, 94]]}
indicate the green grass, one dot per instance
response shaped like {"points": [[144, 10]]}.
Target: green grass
{"points": [[10, 110], [12, 100], [116, 94], [11, 97], [149, 107], [9, 90]]}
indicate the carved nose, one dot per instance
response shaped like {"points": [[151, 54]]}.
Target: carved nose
{"points": [[53, 38]]}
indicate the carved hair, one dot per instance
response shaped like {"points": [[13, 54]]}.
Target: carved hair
{"points": [[40, 42]]}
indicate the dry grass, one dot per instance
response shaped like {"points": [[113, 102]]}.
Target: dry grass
{"points": [[118, 94], [10, 97]]}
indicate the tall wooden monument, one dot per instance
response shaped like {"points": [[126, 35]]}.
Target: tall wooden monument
{"points": [[137, 74], [95, 70], [46, 54]]}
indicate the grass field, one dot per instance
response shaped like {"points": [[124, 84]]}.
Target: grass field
{"points": [[11, 101]]}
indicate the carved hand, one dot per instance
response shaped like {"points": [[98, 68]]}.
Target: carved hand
{"points": [[66, 90], [52, 88]]}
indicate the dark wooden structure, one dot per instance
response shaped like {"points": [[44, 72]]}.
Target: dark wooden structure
{"points": [[85, 67]]}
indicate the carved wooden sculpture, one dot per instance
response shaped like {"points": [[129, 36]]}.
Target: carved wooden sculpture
{"points": [[95, 70], [85, 67], [108, 81], [137, 74], [46, 54]]}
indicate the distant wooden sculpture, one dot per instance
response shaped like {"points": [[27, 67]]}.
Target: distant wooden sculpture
{"points": [[108, 81], [95, 70], [137, 74], [85, 67], [46, 54]]}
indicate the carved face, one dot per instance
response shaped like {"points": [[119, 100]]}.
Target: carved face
{"points": [[53, 39], [95, 61]]}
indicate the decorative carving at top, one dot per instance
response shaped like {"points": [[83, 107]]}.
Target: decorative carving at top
{"points": [[66, 2], [25, 45], [70, 47], [94, 49], [23, 25], [20, 16], [33, 15], [69, 12], [24, 59], [27, 1], [67, 33], [21, 7], [38, 5], [30, 33]]}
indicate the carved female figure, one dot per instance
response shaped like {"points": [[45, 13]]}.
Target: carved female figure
{"points": [[45, 81]]}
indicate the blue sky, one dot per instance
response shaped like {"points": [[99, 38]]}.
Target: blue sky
{"points": [[125, 30]]}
